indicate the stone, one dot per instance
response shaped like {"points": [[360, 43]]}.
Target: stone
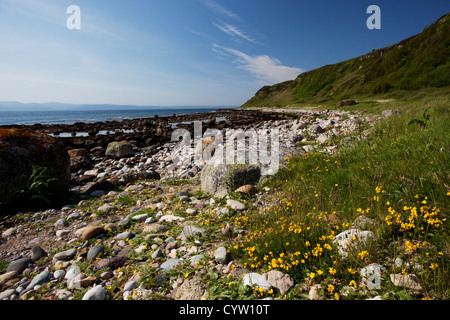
{"points": [[8, 232], [362, 223], [40, 279], [64, 255], [170, 264], [5, 295], [170, 218], [95, 251], [59, 275], [314, 292], [191, 231], [91, 232], [154, 228], [8, 276], [196, 259], [221, 255], [62, 233], [409, 281], [247, 189], [140, 217], [63, 294], [21, 150], [254, 279], [37, 253], [190, 289], [352, 237], [19, 265], [236, 205], [279, 280], [316, 129], [106, 208], [60, 222], [97, 193], [112, 263], [371, 275], [191, 211], [158, 253], [118, 150], [130, 285], [96, 293], [125, 235], [215, 179]]}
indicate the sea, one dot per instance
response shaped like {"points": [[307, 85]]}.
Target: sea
{"points": [[91, 116]]}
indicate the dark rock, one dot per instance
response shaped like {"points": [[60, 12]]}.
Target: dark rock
{"points": [[37, 253], [111, 263], [19, 265]]}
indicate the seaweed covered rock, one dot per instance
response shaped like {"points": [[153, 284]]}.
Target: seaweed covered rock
{"points": [[22, 150]]}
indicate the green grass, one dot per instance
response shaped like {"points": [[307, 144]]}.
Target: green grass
{"points": [[398, 176], [413, 64]]}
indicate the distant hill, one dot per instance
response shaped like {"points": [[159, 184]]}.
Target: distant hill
{"points": [[414, 63]]}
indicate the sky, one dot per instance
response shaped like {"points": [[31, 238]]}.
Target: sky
{"points": [[186, 52]]}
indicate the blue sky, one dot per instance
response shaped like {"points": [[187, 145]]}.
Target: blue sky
{"points": [[186, 52]]}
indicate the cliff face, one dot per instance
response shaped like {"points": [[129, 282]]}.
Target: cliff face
{"points": [[414, 63]]}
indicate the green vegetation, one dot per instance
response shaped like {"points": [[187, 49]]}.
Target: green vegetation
{"points": [[33, 192], [397, 178], [413, 64]]}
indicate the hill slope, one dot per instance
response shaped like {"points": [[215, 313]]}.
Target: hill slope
{"points": [[414, 63]]}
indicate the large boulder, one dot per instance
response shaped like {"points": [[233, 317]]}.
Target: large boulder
{"points": [[119, 149], [21, 150], [217, 180]]}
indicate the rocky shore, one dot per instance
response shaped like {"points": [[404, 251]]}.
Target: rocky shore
{"points": [[141, 227]]}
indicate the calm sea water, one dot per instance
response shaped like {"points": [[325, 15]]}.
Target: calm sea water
{"points": [[90, 116]]}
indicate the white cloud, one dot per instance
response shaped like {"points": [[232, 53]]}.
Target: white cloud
{"points": [[266, 69], [234, 32], [219, 9]]}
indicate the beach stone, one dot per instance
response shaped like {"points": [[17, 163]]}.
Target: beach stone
{"points": [[59, 274], [64, 255], [106, 208], [196, 259], [170, 264], [279, 280], [112, 263], [40, 279], [96, 293], [37, 252], [62, 233], [221, 255], [19, 265], [314, 292], [215, 179], [72, 272], [91, 232], [190, 231], [158, 253], [97, 193], [8, 276], [60, 222], [95, 251], [190, 289], [63, 294], [409, 281], [236, 205], [125, 235], [352, 237], [254, 279], [191, 211], [6, 295], [140, 217], [247, 189], [8, 232], [118, 150], [154, 228], [170, 218]]}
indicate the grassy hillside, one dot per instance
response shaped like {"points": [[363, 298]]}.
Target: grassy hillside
{"points": [[421, 61], [396, 182]]}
